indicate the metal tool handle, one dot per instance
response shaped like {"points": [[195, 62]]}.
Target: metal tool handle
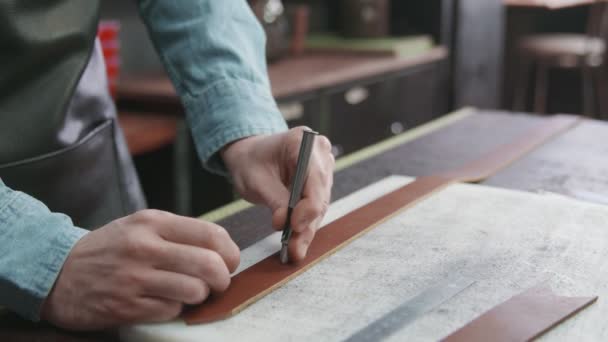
{"points": [[308, 139], [299, 179]]}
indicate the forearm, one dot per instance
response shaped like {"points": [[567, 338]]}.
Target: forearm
{"points": [[214, 52], [34, 245]]}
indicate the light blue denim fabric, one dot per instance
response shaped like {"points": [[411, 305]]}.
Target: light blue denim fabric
{"points": [[214, 53], [34, 244]]}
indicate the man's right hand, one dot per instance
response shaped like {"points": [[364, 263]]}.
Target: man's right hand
{"points": [[141, 268]]}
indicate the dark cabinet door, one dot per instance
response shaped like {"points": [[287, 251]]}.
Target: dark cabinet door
{"points": [[419, 97], [359, 115], [302, 112], [366, 113]]}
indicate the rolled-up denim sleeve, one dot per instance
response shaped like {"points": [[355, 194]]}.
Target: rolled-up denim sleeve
{"points": [[214, 53], [34, 243]]}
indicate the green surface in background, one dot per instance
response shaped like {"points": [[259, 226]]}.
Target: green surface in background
{"points": [[407, 46], [358, 156]]}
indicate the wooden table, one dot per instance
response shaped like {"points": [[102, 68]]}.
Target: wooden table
{"points": [[573, 165], [551, 4]]}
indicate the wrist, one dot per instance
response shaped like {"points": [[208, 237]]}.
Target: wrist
{"points": [[234, 151]]}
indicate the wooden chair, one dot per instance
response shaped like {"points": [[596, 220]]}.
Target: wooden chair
{"points": [[586, 52]]}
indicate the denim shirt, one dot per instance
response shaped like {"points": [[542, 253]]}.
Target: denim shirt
{"points": [[214, 54]]}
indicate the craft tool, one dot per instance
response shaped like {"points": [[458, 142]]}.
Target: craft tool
{"points": [[306, 146]]}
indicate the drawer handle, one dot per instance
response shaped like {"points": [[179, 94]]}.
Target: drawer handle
{"points": [[356, 95], [292, 111], [397, 128]]}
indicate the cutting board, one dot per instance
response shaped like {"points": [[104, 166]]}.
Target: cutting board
{"points": [[507, 241]]}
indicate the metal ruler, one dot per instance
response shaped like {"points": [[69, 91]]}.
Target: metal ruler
{"points": [[409, 311]]}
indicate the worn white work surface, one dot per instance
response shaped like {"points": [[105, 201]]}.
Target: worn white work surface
{"points": [[506, 240]]}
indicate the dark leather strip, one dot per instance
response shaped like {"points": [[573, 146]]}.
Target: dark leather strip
{"points": [[501, 157], [521, 318], [269, 274]]}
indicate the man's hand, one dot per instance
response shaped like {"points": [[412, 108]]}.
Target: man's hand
{"points": [[141, 268], [263, 167]]}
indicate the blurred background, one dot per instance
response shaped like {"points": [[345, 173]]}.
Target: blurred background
{"points": [[360, 71]]}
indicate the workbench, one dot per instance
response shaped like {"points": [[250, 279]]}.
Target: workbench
{"points": [[573, 164]]}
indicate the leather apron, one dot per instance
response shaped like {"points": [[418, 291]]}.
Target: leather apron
{"points": [[59, 138]]}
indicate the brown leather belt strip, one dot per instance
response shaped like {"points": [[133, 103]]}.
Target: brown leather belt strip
{"points": [[521, 318], [269, 274]]}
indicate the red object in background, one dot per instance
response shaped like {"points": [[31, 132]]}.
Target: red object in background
{"points": [[300, 23], [108, 33]]}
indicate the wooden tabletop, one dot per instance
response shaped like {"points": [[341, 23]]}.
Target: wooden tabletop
{"points": [[289, 77], [551, 4], [572, 164], [147, 132]]}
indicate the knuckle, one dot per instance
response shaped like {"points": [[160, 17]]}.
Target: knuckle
{"points": [[307, 237], [209, 261], [294, 137], [141, 246], [233, 258], [133, 280], [214, 261], [148, 216], [217, 273], [320, 208], [171, 311], [297, 131], [223, 283], [219, 236], [324, 143], [198, 293], [122, 309], [325, 173]]}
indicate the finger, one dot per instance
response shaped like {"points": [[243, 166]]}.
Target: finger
{"points": [[194, 232], [203, 264], [316, 196], [307, 211], [279, 217], [299, 243], [174, 287], [274, 194], [150, 309]]}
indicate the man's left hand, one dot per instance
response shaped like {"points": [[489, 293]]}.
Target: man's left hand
{"points": [[262, 168]]}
